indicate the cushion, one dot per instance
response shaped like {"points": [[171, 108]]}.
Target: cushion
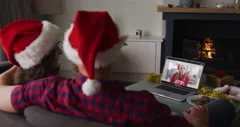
{"points": [[40, 117], [13, 120], [4, 65]]}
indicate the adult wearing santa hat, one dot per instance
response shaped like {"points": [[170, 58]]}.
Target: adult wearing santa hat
{"points": [[93, 44], [27, 42], [32, 46]]}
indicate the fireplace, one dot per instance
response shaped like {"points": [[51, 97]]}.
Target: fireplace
{"points": [[210, 38]]}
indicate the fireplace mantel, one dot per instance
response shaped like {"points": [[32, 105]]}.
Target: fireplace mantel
{"points": [[198, 10]]}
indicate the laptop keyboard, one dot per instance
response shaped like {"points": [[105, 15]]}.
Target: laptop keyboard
{"points": [[173, 90]]}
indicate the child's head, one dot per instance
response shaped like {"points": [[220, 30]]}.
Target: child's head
{"points": [[33, 46]]}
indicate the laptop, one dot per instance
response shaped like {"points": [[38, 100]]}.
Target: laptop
{"points": [[180, 79]]}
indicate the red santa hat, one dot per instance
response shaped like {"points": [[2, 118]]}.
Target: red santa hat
{"points": [[179, 65], [92, 41], [27, 42]]}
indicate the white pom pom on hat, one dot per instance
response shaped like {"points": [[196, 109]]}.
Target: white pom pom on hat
{"points": [[91, 87]]}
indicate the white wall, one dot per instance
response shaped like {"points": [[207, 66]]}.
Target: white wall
{"points": [[128, 14]]}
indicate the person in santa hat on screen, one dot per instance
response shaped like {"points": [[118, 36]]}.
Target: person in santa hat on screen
{"points": [[181, 77], [92, 43]]}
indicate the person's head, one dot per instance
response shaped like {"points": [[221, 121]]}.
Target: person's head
{"points": [[33, 46], [182, 69], [93, 44]]}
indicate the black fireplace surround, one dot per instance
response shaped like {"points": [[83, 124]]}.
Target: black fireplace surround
{"points": [[185, 30]]}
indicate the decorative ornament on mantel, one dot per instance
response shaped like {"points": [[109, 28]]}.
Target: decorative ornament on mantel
{"points": [[220, 5], [186, 3], [237, 4]]}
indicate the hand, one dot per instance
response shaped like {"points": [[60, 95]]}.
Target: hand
{"points": [[223, 89], [7, 77], [197, 116], [234, 93], [179, 82]]}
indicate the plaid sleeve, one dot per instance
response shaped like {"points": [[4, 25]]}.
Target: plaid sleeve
{"points": [[17, 100], [29, 94]]}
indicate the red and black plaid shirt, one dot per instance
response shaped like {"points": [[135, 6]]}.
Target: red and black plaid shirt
{"points": [[113, 105]]}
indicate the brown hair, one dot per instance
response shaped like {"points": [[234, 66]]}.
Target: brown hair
{"points": [[75, 70], [44, 69]]}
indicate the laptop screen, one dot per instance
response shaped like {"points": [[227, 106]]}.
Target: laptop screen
{"points": [[182, 72]]}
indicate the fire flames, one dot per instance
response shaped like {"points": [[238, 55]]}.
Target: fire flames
{"points": [[207, 49]]}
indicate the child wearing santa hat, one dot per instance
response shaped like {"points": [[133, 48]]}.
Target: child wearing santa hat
{"points": [[92, 43]]}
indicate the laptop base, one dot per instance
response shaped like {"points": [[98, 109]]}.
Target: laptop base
{"points": [[170, 95]]}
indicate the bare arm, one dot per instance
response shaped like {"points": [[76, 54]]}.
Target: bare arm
{"points": [[5, 100], [6, 79]]}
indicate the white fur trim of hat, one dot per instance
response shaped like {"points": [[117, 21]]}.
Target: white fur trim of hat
{"points": [[103, 59], [40, 47]]}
